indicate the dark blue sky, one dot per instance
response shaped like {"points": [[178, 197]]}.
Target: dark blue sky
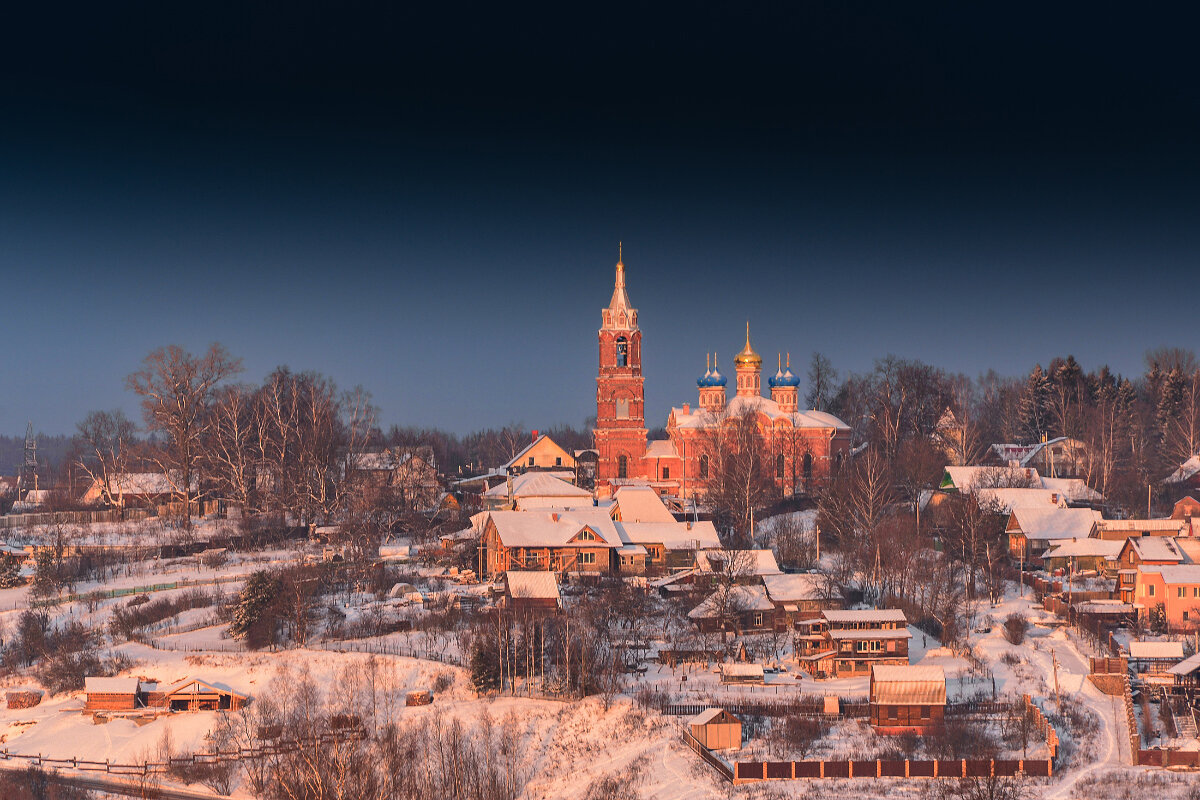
{"points": [[428, 203]]}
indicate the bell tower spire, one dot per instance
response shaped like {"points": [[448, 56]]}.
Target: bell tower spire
{"points": [[620, 434]]}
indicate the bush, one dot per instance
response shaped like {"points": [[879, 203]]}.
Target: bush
{"points": [[442, 681], [1015, 627]]}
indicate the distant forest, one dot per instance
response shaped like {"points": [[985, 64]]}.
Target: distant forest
{"points": [[51, 452]]}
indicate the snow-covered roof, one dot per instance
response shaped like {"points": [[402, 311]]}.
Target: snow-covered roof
{"points": [[908, 685], [554, 528], [741, 670], [540, 585], [1103, 607], [869, 633], [661, 448], [794, 588], [1155, 548], [144, 483], [1008, 500], [640, 504], [1141, 525], [971, 479], [706, 716], [1187, 666], [1052, 522], [537, 484], [700, 418], [671, 535], [740, 598], [1080, 548], [389, 459], [110, 685], [1185, 471], [197, 686], [1173, 574], [1075, 490], [864, 615], [1164, 650], [748, 562], [520, 456]]}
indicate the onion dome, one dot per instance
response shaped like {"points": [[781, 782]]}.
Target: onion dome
{"points": [[715, 378], [788, 378], [748, 358], [777, 380]]}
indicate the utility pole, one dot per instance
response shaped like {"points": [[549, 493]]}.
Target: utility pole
{"points": [[1054, 663]]}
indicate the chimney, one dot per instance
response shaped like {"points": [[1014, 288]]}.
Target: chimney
{"points": [[534, 436], [687, 409], [554, 516]]}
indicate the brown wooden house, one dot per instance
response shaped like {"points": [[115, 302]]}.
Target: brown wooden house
{"points": [[844, 643], [716, 729], [904, 698], [114, 694], [191, 694], [531, 593]]}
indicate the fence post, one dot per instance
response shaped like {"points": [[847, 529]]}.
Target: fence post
{"points": [[906, 772]]}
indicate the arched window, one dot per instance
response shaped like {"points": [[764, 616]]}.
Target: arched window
{"points": [[622, 466], [704, 465], [779, 463], [622, 351], [807, 468]]}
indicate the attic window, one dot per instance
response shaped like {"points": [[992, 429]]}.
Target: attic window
{"points": [[587, 536]]}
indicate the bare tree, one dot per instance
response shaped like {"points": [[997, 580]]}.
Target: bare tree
{"points": [[106, 439], [741, 481], [177, 390]]}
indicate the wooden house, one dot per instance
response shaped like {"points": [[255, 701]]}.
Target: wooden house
{"points": [[737, 608], [583, 541], [798, 597], [1149, 551], [533, 592], [1154, 658], [542, 453], [1031, 531], [748, 674], [114, 694], [906, 698], [716, 729], [1079, 555], [1137, 528], [1187, 674], [404, 476], [840, 643]]}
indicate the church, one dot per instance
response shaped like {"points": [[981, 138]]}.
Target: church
{"points": [[804, 446]]}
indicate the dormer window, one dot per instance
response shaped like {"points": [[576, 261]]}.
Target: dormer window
{"points": [[622, 352]]}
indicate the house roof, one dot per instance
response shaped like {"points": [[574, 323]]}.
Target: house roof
{"points": [[111, 685], [741, 670], [640, 504], [197, 686], [699, 418], [1140, 525], [1009, 500], [554, 528], [1180, 573], [1078, 548], [1164, 650], [540, 585], [1185, 471], [751, 562], [869, 633], [901, 685], [1154, 548], [971, 479], [794, 588], [142, 483], [706, 716], [538, 484], [672, 535], [1075, 490], [1052, 522], [741, 598], [864, 615]]}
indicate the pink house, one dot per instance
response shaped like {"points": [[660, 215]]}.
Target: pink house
{"points": [[1176, 588]]}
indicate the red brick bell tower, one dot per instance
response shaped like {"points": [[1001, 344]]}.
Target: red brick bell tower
{"points": [[620, 416]]}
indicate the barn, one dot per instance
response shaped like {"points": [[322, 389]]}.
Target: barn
{"points": [[531, 592], [907, 698], [192, 694], [716, 729]]}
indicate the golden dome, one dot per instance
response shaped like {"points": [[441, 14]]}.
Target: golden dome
{"points": [[748, 358]]}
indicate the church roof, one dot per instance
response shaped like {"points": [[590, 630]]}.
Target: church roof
{"points": [[699, 418]]}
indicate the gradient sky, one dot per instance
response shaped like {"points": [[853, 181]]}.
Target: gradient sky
{"points": [[428, 202]]}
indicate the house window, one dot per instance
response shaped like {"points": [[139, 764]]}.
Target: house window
{"points": [[587, 536], [779, 463], [893, 712], [558, 461], [1150, 590], [622, 352], [758, 619], [622, 466], [587, 558], [1181, 592], [924, 712], [531, 461], [704, 466], [1196, 591], [666, 473]]}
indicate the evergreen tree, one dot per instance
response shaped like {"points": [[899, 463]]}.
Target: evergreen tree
{"points": [[485, 665], [1032, 407], [256, 615], [1170, 401], [10, 573]]}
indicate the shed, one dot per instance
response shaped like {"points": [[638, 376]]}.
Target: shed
{"points": [[112, 694], [1154, 657], [191, 694], [716, 729], [907, 698], [534, 591], [742, 673]]}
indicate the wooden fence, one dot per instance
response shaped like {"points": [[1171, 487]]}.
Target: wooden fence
{"points": [[74, 517], [720, 766], [814, 707], [753, 771]]}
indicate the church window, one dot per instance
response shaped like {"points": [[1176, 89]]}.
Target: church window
{"points": [[622, 408], [622, 352], [807, 467], [704, 466], [666, 473], [779, 464], [622, 466]]}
